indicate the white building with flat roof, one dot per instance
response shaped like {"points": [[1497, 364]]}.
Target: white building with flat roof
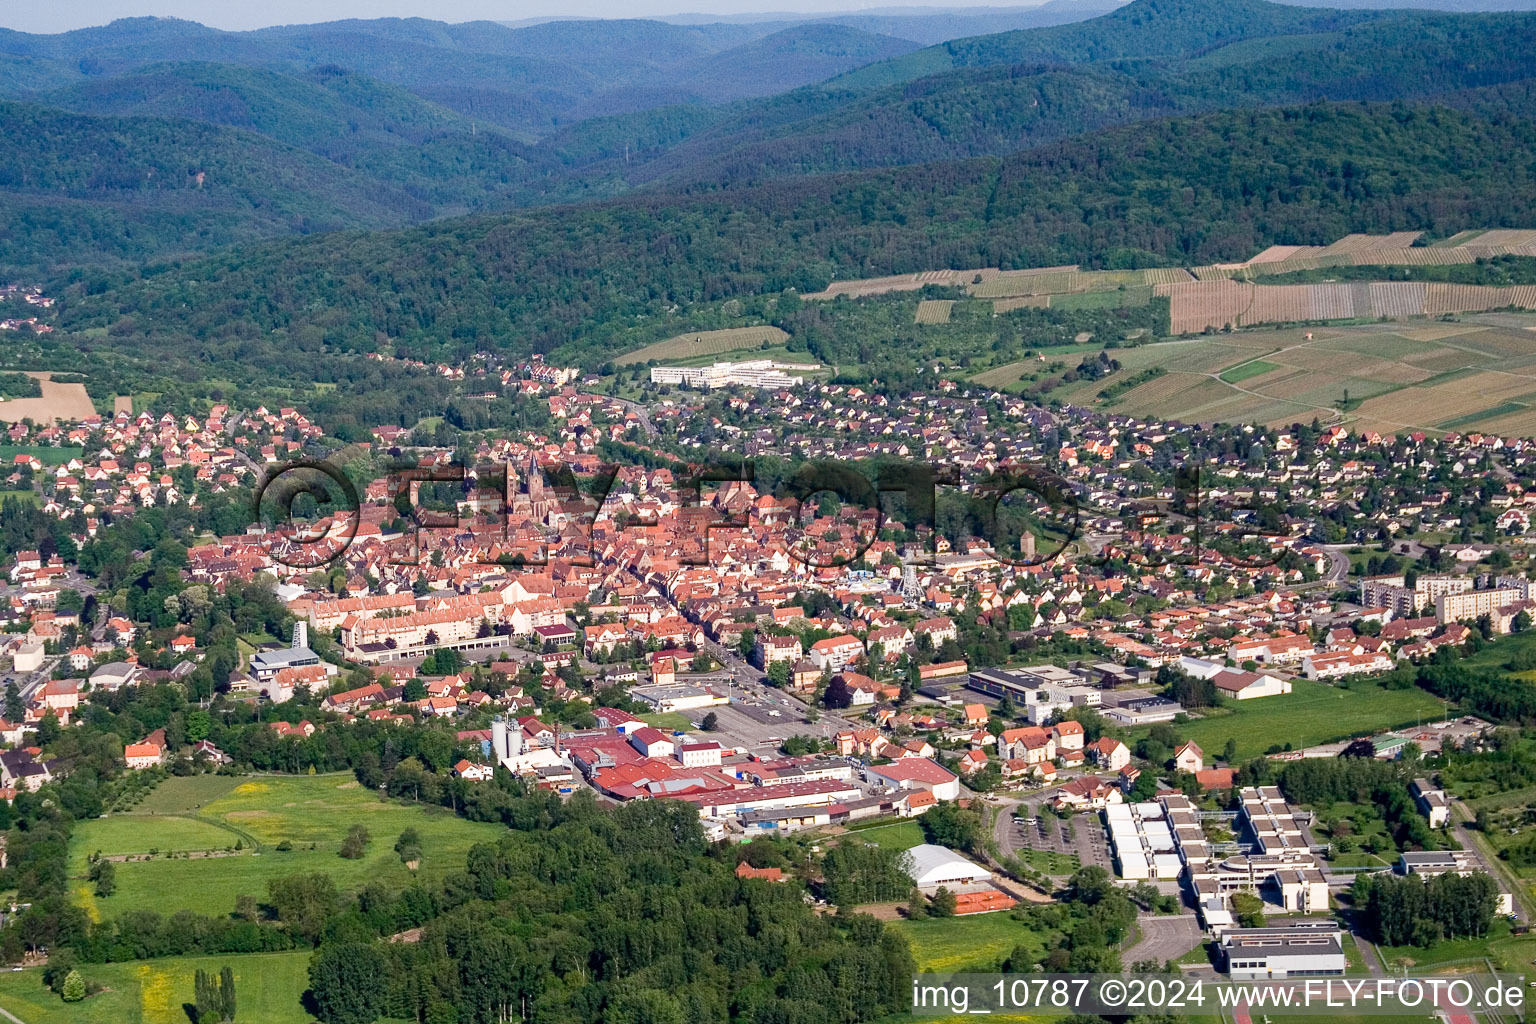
{"points": [[753, 373]]}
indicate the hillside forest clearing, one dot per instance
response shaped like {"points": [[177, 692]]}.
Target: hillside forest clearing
{"points": [[699, 343], [59, 402], [310, 813]]}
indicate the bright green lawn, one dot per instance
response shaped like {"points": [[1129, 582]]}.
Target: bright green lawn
{"points": [[181, 794], [133, 833], [268, 987], [668, 720], [902, 835], [1499, 940], [1252, 368], [46, 454], [303, 810], [1310, 714], [973, 942]]}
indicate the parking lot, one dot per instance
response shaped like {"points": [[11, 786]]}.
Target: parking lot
{"points": [[1082, 837], [748, 724]]}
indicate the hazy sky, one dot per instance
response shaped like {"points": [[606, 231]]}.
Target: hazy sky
{"points": [[62, 15]]}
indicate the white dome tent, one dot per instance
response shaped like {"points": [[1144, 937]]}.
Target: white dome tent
{"points": [[931, 866]]}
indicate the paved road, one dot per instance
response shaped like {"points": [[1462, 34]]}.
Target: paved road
{"points": [[746, 681], [641, 412], [1370, 956], [1164, 938], [1338, 563], [231, 428], [1473, 843]]}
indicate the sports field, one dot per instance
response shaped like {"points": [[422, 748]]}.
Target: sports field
{"points": [[1310, 714], [902, 835], [311, 813], [268, 990]]}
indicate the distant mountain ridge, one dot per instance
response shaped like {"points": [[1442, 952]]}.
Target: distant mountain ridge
{"points": [[530, 79], [453, 133]]}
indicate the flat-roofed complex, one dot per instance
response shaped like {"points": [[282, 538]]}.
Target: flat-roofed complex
{"points": [[1299, 950], [755, 373], [1278, 865]]}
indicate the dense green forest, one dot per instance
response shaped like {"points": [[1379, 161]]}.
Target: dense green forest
{"points": [[1001, 109], [97, 189], [1147, 28], [409, 122], [589, 280], [529, 79]]}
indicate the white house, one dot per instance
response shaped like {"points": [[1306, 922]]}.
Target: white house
{"points": [[1249, 685]]}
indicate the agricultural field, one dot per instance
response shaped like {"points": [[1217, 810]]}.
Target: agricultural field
{"points": [[310, 813], [1474, 374], [268, 990], [707, 343], [59, 402], [933, 311], [1312, 713]]}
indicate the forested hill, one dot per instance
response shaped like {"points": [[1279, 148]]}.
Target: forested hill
{"points": [[114, 188], [1141, 29], [1184, 191], [448, 162], [1002, 110], [528, 79], [429, 139]]}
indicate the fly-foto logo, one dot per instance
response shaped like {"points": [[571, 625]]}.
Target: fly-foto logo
{"points": [[1023, 515]]}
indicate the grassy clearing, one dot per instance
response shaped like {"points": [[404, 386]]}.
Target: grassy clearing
{"points": [[1255, 368], [1499, 945], [668, 720], [47, 455], [268, 988], [1311, 714], [312, 813], [181, 794], [901, 835], [134, 834], [974, 942]]}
